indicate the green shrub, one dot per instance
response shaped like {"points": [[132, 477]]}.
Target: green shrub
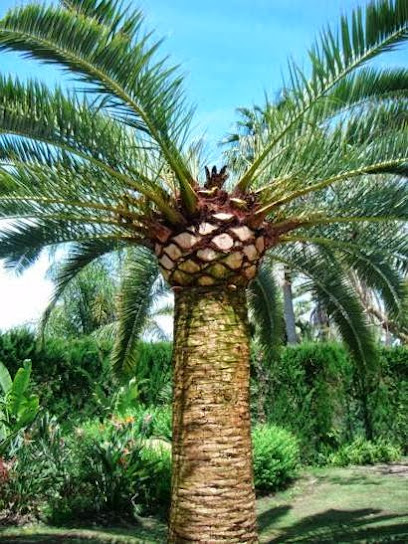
{"points": [[158, 495], [153, 372], [111, 472], [36, 473], [18, 406], [66, 373], [391, 397], [107, 475], [97, 470], [314, 390], [74, 376], [309, 394], [365, 452], [276, 457]]}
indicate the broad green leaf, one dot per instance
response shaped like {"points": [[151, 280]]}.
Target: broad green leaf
{"points": [[5, 379], [19, 387]]}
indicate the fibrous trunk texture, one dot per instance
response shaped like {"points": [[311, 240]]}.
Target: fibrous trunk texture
{"points": [[288, 310], [213, 498]]}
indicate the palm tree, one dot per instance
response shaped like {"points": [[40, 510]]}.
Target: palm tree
{"points": [[87, 304], [111, 167], [103, 298]]}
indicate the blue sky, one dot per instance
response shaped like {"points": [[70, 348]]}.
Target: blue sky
{"points": [[232, 51]]}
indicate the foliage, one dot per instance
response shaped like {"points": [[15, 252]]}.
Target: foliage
{"points": [[75, 375], [108, 475], [68, 374], [153, 372], [140, 289], [276, 457], [301, 396], [86, 305], [94, 171], [313, 390], [97, 470], [36, 472], [390, 399], [113, 299], [365, 452], [18, 407]]}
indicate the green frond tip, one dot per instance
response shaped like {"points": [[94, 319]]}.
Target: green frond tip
{"points": [[266, 307], [79, 257], [139, 90], [136, 296], [381, 27], [327, 281]]}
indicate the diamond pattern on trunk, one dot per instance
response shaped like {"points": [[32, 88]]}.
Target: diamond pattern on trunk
{"points": [[260, 244], [218, 271], [166, 262], [251, 252], [243, 233], [206, 228], [173, 252], [191, 267], [206, 280], [234, 260], [207, 254], [223, 216], [185, 240], [223, 241], [217, 250]]}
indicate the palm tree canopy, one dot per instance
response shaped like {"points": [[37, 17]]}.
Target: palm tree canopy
{"points": [[111, 165]]}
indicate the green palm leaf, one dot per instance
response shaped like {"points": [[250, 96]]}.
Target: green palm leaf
{"points": [[5, 379], [327, 280], [80, 255], [136, 296], [266, 307], [333, 58], [138, 90]]}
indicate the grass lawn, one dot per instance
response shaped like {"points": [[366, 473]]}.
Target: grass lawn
{"points": [[338, 505]]}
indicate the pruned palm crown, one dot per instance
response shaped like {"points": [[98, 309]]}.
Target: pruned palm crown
{"points": [[111, 165], [222, 242]]}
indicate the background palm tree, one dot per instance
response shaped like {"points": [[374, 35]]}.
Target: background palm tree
{"points": [[99, 299], [110, 166]]}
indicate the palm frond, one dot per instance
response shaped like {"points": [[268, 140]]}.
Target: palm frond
{"points": [[266, 307], [376, 207], [138, 90], [136, 294], [327, 281], [22, 243], [80, 255], [375, 265], [361, 37], [43, 127], [332, 159]]}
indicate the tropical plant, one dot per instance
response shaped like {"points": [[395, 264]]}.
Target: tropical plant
{"points": [[86, 305], [18, 407], [276, 457], [98, 299], [364, 452], [373, 263], [110, 166]]}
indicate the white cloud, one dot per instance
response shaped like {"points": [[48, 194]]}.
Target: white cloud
{"points": [[23, 298]]}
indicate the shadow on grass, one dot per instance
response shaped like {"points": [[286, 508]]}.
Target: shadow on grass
{"points": [[337, 526], [46, 539], [352, 480], [267, 519], [60, 536]]}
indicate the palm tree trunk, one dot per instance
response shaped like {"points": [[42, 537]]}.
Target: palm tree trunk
{"points": [[288, 310], [213, 496]]}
